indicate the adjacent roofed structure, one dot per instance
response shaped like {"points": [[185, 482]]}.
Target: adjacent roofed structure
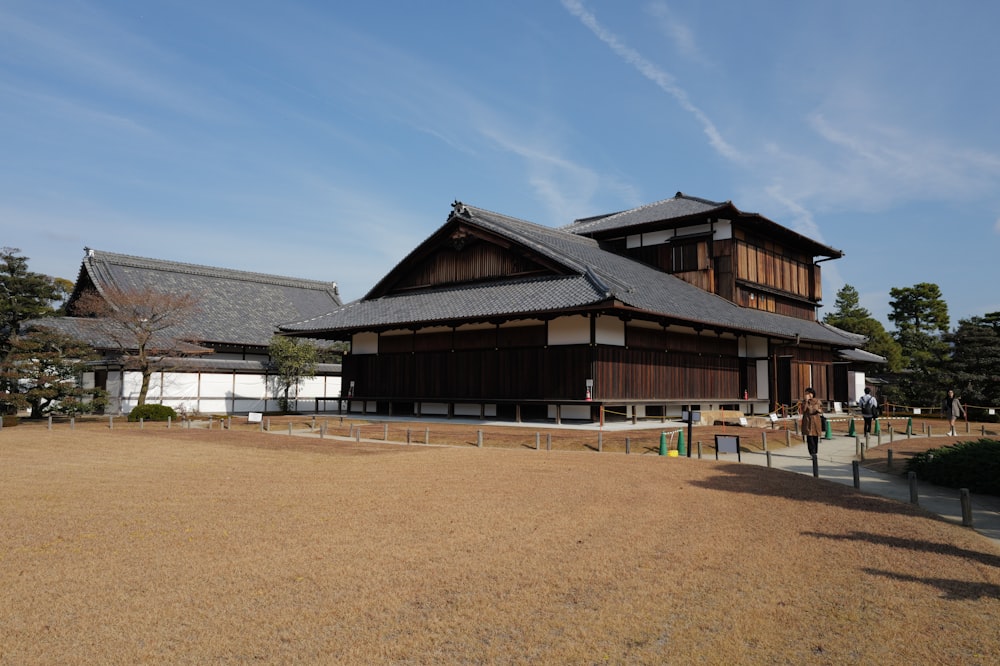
{"points": [[215, 360]]}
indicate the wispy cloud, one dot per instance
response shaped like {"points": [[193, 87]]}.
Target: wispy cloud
{"points": [[89, 49], [680, 34], [659, 77], [566, 188]]}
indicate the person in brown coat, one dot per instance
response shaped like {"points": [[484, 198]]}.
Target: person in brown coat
{"points": [[812, 421]]}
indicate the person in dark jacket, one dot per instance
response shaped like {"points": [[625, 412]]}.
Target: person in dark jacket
{"points": [[869, 409], [812, 420], [952, 409]]}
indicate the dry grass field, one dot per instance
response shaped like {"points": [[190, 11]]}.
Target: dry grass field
{"points": [[188, 546]]}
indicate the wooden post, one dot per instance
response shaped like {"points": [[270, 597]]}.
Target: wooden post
{"points": [[479, 438], [856, 470], [50, 422], [768, 458], [72, 423], [289, 427], [111, 423], [427, 435], [699, 449], [628, 445], [168, 422], [600, 442], [888, 458], [142, 423], [548, 441], [385, 432], [538, 441], [763, 439], [914, 499], [966, 500], [788, 437], [407, 435], [357, 434]]}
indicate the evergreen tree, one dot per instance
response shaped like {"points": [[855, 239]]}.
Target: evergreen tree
{"points": [[23, 294], [42, 371], [921, 318], [848, 315], [974, 370], [293, 360]]}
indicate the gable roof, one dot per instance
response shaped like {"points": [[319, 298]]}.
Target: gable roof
{"points": [[590, 277], [235, 307], [681, 209]]}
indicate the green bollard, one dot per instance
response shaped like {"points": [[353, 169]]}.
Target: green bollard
{"points": [[829, 432], [851, 432], [663, 443], [878, 430], [681, 444], [909, 425]]}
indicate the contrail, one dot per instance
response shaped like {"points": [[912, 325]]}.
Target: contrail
{"points": [[662, 79]]}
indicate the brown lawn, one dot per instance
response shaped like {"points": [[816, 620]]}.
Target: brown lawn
{"points": [[190, 546]]}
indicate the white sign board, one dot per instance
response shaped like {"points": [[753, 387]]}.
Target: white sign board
{"points": [[254, 417]]}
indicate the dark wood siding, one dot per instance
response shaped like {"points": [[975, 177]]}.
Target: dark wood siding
{"points": [[471, 263], [557, 373]]}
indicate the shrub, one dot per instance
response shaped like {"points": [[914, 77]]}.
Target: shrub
{"points": [[152, 413], [973, 465]]}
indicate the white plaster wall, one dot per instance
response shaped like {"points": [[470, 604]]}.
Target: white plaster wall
{"points": [[610, 331], [569, 330], [364, 343], [753, 346], [855, 385], [571, 412], [762, 385]]}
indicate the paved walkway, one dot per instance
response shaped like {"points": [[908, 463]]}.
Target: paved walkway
{"points": [[835, 464]]}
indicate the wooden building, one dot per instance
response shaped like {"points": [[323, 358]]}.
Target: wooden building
{"points": [[681, 304]]}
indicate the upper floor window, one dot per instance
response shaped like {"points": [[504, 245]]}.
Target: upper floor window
{"points": [[689, 256]]}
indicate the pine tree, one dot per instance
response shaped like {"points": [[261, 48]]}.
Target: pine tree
{"points": [[23, 294], [848, 315], [921, 318]]}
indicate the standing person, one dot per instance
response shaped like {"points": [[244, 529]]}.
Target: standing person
{"points": [[812, 420], [869, 409], [952, 409]]}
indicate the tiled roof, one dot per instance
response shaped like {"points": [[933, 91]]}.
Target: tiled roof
{"points": [[95, 332], [676, 207], [235, 307], [681, 207], [596, 276]]}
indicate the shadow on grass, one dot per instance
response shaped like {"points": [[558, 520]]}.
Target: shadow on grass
{"points": [[912, 544], [958, 590], [785, 484]]}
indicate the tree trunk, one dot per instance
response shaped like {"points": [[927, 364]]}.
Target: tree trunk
{"points": [[144, 389]]}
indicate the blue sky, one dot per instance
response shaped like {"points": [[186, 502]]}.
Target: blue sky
{"points": [[325, 140]]}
